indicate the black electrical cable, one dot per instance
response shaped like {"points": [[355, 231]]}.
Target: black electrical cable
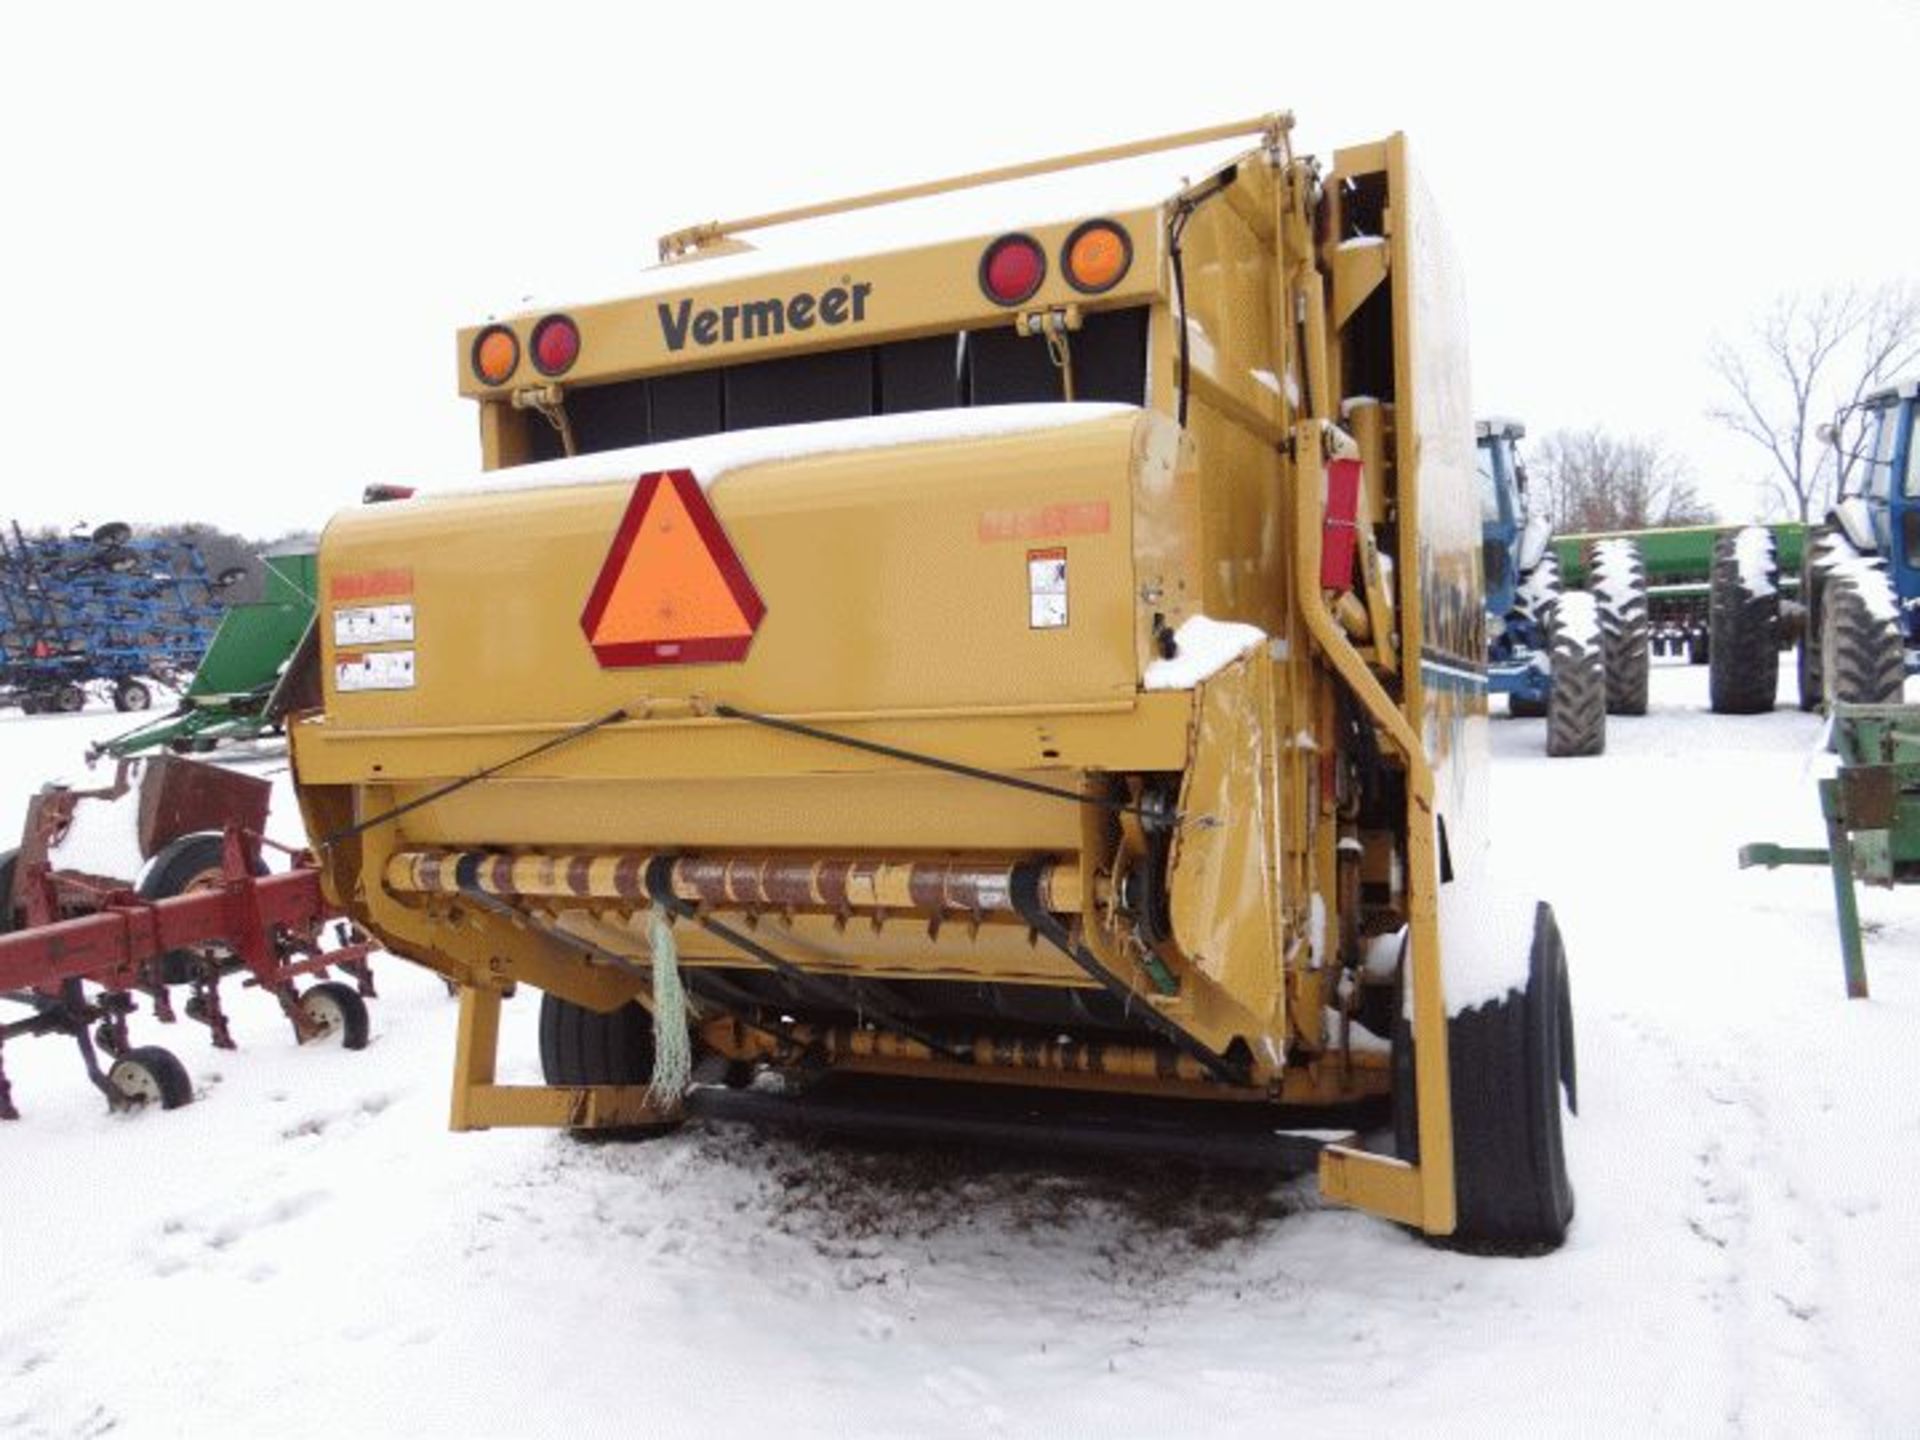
{"points": [[1150, 817], [612, 717]]}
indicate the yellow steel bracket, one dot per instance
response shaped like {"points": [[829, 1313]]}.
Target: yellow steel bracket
{"points": [[479, 1103], [1422, 1194]]}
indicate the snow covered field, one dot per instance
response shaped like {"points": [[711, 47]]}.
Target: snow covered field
{"points": [[307, 1251]]}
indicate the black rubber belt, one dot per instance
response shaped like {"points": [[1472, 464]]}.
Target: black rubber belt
{"points": [[1024, 889], [660, 890]]}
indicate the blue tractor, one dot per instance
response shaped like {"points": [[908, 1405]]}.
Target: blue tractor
{"points": [[1572, 656], [1862, 635]]}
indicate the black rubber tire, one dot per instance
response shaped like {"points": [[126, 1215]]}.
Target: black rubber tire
{"points": [[7, 913], [356, 1026], [1863, 655], [179, 863], [1577, 704], [1509, 1061], [1809, 666], [1743, 651], [1697, 648], [30, 705], [70, 699], [132, 695], [1534, 600], [1825, 546], [1538, 590], [1618, 579], [579, 1046], [155, 1067]]}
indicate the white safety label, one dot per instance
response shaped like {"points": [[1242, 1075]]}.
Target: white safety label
{"points": [[1047, 589], [372, 624], [373, 670]]}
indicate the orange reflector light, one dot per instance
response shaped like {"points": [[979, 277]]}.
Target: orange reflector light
{"points": [[496, 353], [1098, 254]]}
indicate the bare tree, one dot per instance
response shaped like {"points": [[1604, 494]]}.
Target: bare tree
{"points": [[1809, 359], [1593, 480]]}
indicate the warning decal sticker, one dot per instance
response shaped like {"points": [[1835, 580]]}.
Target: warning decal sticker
{"points": [[673, 590], [1047, 589]]}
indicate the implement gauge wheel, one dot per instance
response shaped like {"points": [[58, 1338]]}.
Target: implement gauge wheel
{"points": [[579, 1046], [1509, 1062], [132, 695], [1743, 606], [149, 1075], [340, 1012], [70, 699]]}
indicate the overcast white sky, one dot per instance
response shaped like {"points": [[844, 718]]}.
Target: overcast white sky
{"points": [[238, 242]]}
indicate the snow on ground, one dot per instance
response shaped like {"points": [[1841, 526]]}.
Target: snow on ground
{"points": [[307, 1250]]}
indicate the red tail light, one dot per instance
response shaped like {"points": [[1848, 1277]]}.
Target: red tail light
{"points": [[556, 345], [1012, 269]]}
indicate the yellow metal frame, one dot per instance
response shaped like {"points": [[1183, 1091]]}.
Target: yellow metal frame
{"points": [[1265, 296]]}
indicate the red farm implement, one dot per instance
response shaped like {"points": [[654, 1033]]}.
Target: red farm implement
{"points": [[158, 882]]}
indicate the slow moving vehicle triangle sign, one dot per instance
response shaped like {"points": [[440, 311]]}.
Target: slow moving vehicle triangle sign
{"points": [[673, 590]]}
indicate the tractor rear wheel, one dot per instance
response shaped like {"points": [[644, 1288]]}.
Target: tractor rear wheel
{"points": [[1539, 590], [1743, 600], [1863, 657], [1577, 703], [579, 1046], [1620, 585]]}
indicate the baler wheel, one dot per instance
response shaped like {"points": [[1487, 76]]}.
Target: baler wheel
{"points": [[150, 1075], [1509, 1062], [579, 1046], [340, 1011], [1577, 703], [1863, 656], [1743, 654], [1620, 585]]}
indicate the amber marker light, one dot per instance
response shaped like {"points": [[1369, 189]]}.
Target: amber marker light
{"points": [[496, 353], [556, 345], [1098, 254]]}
